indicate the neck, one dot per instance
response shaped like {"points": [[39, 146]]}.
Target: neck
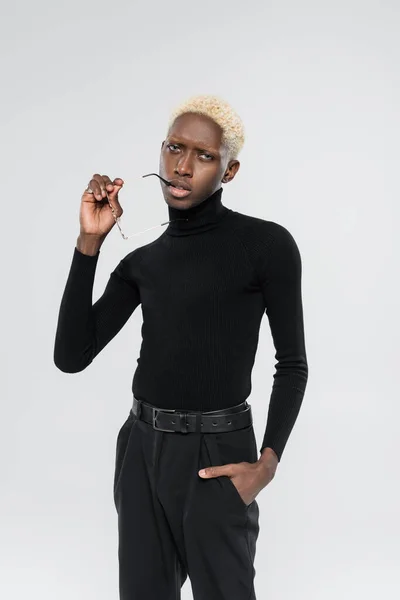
{"points": [[201, 217]]}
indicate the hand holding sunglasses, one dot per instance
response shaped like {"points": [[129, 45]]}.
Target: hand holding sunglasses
{"points": [[95, 218]]}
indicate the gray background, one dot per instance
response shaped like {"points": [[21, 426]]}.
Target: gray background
{"points": [[88, 87]]}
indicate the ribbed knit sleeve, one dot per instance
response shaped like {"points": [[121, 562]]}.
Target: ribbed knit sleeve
{"points": [[83, 328], [280, 277]]}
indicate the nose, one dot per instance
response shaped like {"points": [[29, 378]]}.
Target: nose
{"points": [[184, 166]]}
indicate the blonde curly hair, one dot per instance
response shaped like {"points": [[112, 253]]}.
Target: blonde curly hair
{"points": [[222, 113]]}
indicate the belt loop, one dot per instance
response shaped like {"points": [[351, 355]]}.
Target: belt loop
{"points": [[183, 422], [139, 409], [199, 417]]}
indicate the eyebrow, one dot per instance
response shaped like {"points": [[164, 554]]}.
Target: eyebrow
{"points": [[173, 138]]}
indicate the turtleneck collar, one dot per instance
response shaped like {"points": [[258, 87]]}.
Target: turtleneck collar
{"points": [[201, 217]]}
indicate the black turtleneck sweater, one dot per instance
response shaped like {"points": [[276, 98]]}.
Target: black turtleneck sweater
{"points": [[203, 286]]}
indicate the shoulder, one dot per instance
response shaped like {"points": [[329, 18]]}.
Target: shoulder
{"points": [[257, 232], [270, 246]]}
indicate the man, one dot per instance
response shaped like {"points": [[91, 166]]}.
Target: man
{"points": [[204, 286]]}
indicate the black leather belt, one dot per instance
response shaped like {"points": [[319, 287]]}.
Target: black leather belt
{"points": [[178, 421]]}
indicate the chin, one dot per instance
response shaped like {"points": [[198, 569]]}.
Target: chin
{"points": [[183, 203], [180, 204]]}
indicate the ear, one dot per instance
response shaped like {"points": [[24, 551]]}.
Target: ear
{"points": [[231, 171]]}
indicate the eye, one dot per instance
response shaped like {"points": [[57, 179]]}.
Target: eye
{"points": [[209, 159]]}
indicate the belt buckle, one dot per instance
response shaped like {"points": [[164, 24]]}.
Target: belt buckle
{"points": [[157, 410]]}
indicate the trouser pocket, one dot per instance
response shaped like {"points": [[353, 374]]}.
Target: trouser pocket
{"points": [[232, 447], [124, 435]]}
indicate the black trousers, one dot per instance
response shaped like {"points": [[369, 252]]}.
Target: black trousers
{"points": [[173, 524]]}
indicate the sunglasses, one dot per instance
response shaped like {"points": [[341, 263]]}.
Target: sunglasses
{"points": [[126, 237]]}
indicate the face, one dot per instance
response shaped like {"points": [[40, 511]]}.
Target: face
{"points": [[193, 154]]}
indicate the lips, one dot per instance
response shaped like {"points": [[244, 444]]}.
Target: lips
{"points": [[178, 193], [176, 183]]}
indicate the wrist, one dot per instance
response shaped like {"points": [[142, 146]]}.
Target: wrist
{"points": [[268, 455], [266, 466], [89, 244]]}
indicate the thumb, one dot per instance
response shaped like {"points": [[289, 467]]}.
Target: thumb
{"points": [[117, 183], [216, 471]]}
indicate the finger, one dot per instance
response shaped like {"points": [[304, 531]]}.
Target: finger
{"points": [[217, 471], [108, 184], [116, 186], [94, 183], [94, 186], [100, 182], [89, 193]]}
